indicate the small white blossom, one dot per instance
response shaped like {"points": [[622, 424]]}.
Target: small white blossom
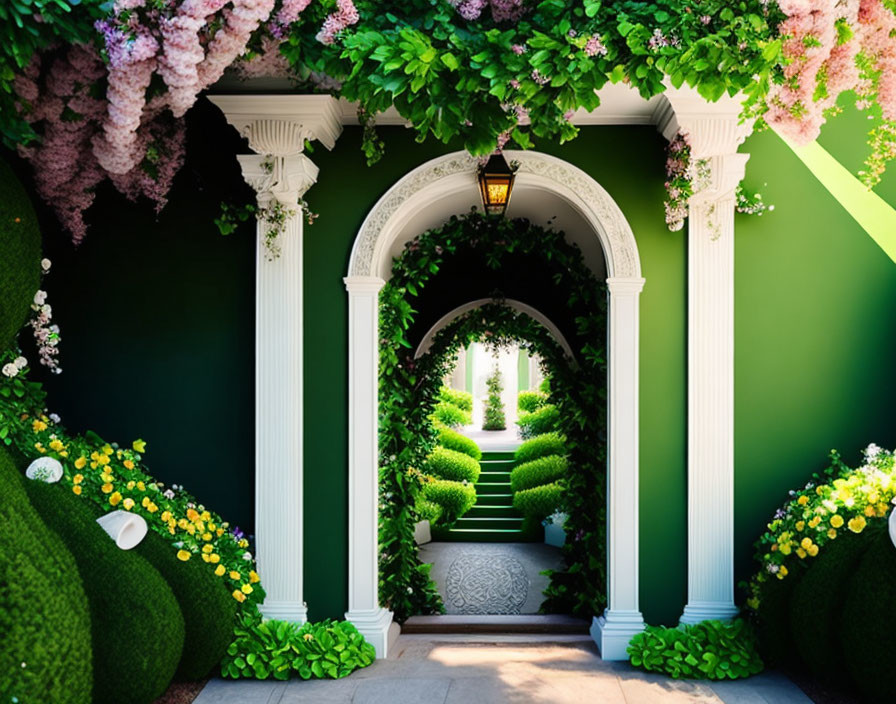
{"points": [[45, 264], [20, 362], [40, 298], [10, 370], [247, 555], [55, 418]]}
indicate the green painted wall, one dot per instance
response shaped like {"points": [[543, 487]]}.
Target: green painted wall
{"points": [[158, 338]]}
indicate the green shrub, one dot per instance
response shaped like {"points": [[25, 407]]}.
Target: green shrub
{"points": [[817, 602], [544, 470], [773, 620], [20, 258], [205, 603], [539, 502], [137, 627], [450, 415], [451, 464], [453, 440], [262, 649], [709, 650], [455, 498], [868, 620], [494, 406], [428, 510], [545, 420], [529, 401], [462, 399], [541, 446], [44, 619]]}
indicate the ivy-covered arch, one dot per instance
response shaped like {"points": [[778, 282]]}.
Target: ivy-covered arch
{"points": [[409, 389]]}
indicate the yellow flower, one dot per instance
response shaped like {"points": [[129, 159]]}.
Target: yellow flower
{"points": [[800, 525], [219, 570], [206, 536], [141, 486], [812, 550], [869, 510], [308, 636], [115, 499], [806, 543], [819, 490], [815, 521], [78, 478], [219, 532], [171, 530], [192, 514], [152, 508], [106, 477], [191, 528], [207, 548], [128, 464], [246, 589], [166, 515], [801, 553], [56, 445], [40, 448], [107, 450], [145, 502], [182, 524], [783, 571], [238, 595], [803, 500], [63, 453], [77, 489], [243, 543], [214, 558], [131, 484], [836, 521], [38, 425], [873, 497], [832, 533], [204, 557], [103, 460], [234, 574], [139, 446], [253, 577], [785, 549], [857, 524], [183, 555], [128, 504], [106, 488], [81, 462]]}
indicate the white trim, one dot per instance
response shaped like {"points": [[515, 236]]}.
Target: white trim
{"points": [[519, 306]]}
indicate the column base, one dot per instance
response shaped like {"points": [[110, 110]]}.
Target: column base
{"points": [[614, 630], [294, 611], [708, 611], [377, 628]]}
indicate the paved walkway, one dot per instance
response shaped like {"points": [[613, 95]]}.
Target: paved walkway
{"points": [[501, 670]]}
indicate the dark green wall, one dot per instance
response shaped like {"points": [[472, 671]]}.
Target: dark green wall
{"points": [[158, 335]]}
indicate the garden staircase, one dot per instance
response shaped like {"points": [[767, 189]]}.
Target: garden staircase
{"points": [[493, 519]]}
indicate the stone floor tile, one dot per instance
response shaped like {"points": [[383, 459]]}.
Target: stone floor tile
{"points": [[219, 691], [320, 691], [402, 691], [765, 688], [646, 688]]}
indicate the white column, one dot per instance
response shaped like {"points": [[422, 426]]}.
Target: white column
{"points": [[622, 619], [277, 128], [364, 610]]}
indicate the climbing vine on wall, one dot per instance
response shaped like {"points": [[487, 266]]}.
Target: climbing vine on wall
{"points": [[409, 389]]}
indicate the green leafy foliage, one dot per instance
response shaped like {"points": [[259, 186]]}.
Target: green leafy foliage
{"points": [[528, 401], [543, 420], [450, 415], [43, 610], [541, 501], [205, 603], [543, 470], [137, 627], [709, 650], [453, 465], [20, 247], [453, 440], [494, 407], [462, 399], [278, 649], [541, 446], [454, 498], [428, 510]]}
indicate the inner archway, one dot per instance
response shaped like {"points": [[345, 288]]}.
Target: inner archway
{"points": [[387, 227]]}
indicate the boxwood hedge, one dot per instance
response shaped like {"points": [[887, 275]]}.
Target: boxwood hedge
{"points": [[453, 440], [455, 498], [450, 415], [540, 446], [451, 464], [539, 502], [462, 399], [543, 470], [528, 401], [543, 420]]}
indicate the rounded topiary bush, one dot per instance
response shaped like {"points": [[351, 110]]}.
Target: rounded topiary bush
{"points": [[454, 498], [462, 399], [539, 502], [136, 625], [868, 621], [453, 440], [540, 446], [450, 415], [528, 401], [543, 470], [816, 604], [20, 260], [451, 464], [44, 620], [207, 606], [543, 420], [772, 620], [428, 510]]}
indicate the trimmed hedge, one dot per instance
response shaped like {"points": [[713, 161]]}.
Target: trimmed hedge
{"points": [[543, 470], [528, 401], [428, 510], [541, 446], [44, 620], [773, 621], [207, 606], [454, 498], [453, 465], [539, 502], [453, 440], [462, 399], [545, 420], [20, 258], [817, 602], [868, 621], [137, 626], [450, 415]]}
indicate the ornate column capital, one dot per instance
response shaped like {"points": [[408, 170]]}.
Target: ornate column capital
{"points": [[713, 128], [282, 178]]}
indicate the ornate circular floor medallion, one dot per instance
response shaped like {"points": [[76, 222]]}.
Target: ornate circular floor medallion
{"points": [[486, 583]]}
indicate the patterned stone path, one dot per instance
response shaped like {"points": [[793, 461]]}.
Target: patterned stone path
{"points": [[502, 670]]}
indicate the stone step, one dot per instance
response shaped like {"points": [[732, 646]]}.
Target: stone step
{"points": [[492, 488], [494, 477], [526, 623], [501, 456], [494, 499], [476, 535], [497, 466], [479, 511]]}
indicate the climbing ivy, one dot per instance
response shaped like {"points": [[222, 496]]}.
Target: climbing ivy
{"points": [[409, 389]]}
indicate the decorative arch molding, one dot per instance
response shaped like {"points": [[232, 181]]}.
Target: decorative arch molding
{"points": [[519, 306], [390, 220], [456, 172]]}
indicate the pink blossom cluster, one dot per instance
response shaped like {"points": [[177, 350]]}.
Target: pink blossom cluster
{"points": [[345, 16], [594, 46], [502, 10], [45, 335], [679, 176]]}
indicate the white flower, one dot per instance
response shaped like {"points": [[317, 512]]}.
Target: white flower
{"points": [[247, 555], [55, 418], [40, 298], [10, 370], [872, 451], [46, 309], [45, 264], [20, 362]]}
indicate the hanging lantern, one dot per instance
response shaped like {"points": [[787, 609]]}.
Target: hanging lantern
{"points": [[496, 183]]}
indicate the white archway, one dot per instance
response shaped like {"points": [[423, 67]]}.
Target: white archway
{"points": [[390, 221]]}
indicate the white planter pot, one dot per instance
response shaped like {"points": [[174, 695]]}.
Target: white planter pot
{"points": [[422, 533], [126, 529]]}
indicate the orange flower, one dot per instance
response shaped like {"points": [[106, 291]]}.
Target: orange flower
{"points": [[192, 514], [239, 596]]}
